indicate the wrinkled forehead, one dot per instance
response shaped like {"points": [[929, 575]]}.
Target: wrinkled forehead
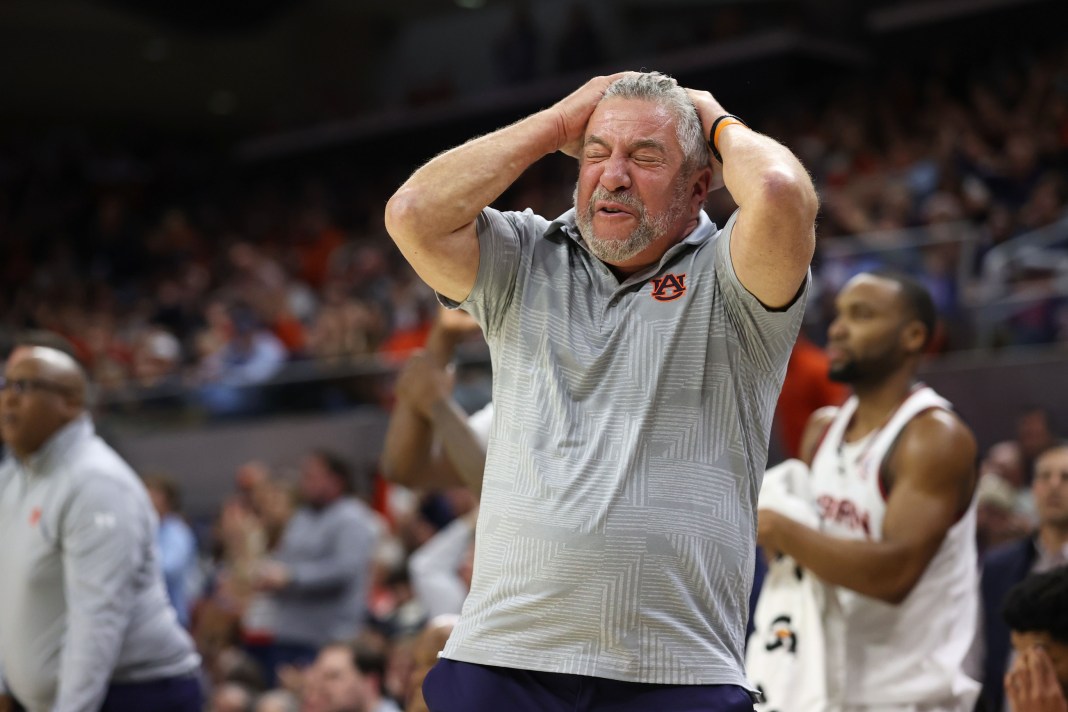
{"points": [[625, 116]]}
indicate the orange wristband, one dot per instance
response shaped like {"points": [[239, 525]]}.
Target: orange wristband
{"points": [[717, 126]]}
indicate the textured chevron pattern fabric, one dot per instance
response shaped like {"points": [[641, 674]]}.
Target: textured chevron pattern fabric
{"points": [[617, 531]]}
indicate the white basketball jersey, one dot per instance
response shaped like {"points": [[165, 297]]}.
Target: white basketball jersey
{"points": [[912, 653]]}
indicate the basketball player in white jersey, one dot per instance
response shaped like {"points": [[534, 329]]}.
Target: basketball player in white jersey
{"points": [[893, 477]]}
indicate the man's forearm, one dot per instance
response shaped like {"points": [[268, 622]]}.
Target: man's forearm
{"points": [[451, 190], [405, 451], [462, 446], [876, 569]]}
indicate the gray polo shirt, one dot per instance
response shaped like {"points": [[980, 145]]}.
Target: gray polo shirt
{"points": [[82, 601], [616, 536]]}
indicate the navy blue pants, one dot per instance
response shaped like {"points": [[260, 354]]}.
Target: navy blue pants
{"points": [[454, 686], [174, 694]]}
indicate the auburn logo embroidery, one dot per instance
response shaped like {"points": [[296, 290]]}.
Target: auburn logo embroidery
{"points": [[669, 287]]}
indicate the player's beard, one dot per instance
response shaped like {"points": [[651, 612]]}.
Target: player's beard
{"points": [[871, 370], [645, 233]]}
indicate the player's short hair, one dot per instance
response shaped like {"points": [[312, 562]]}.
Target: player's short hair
{"points": [[916, 298], [1037, 605]]}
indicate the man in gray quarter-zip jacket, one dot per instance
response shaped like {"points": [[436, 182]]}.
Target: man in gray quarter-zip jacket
{"points": [[85, 624]]}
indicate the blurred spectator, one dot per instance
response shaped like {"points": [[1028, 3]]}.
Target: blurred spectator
{"points": [[1008, 564], [157, 357], [318, 577], [251, 355], [1038, 619], [345, 328], [277, 701], [231, 697], [1035, 433], [177, 545], [998, 519], [348, 678]]}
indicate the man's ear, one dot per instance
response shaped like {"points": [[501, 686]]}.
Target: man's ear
{"points": [[702, 184], [915, 337]]}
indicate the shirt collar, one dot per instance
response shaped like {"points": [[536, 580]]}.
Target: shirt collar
{"points": [[77, 430]]}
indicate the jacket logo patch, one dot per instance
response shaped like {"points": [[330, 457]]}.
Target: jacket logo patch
{"points": [[35, 516], [669, 287]]}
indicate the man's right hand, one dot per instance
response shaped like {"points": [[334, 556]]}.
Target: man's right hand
{"points": [[7, 703], [573, 113]]}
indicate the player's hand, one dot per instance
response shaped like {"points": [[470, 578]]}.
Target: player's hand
{"points": [[1031, 684], [7, 703], [573, 112], [769, 530], [422, 383]]}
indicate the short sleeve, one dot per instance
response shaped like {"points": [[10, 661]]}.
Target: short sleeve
{"points": [[502, 239], [765, 334]]}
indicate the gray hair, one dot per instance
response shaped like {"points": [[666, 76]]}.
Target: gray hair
{"points": [[665, 91]]}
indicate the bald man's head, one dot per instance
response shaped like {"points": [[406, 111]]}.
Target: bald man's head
{"points": [[43, 390]]}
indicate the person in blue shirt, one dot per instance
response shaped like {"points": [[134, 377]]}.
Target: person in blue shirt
{"points": [[177, 544]]}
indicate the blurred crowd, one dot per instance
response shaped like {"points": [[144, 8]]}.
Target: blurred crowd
{"points": [[303, 596], [182, 280], [179, 275]]}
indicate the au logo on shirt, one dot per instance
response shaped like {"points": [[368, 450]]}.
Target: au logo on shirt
{"points": [[669, 287]]}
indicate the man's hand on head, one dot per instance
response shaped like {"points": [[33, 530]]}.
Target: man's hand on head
{"points": [[573, 112]]}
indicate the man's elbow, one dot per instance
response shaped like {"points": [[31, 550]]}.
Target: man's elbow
{"points": [[402, 215], [791, 191], [895, 589]]}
